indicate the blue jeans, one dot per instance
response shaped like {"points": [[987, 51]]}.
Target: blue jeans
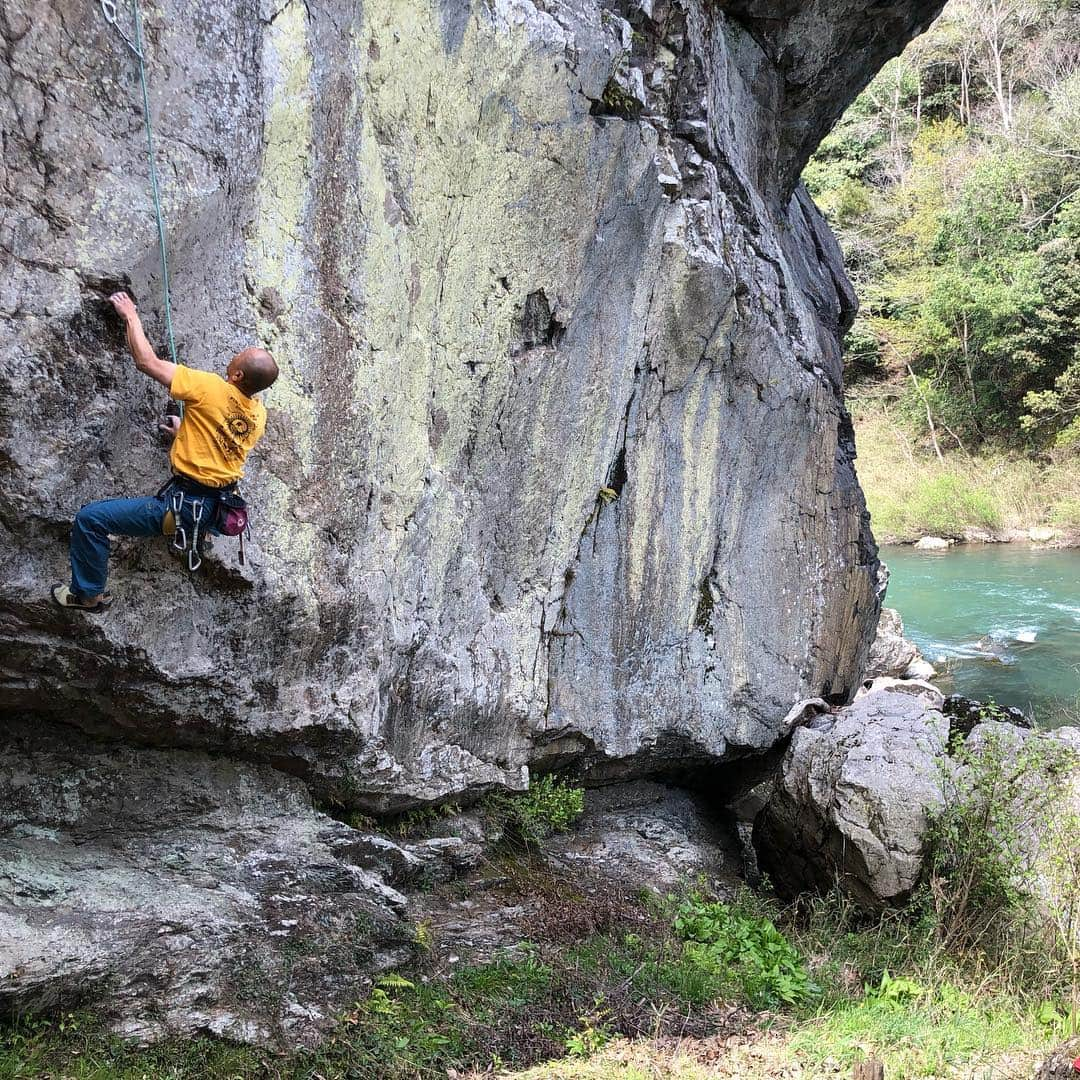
{"points": [[96, 521]]}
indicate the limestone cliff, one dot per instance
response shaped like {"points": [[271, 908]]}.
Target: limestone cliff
{"points": [[558, 467]]}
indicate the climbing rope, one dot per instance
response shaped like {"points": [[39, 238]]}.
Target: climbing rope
{"points": [[108, 9]]}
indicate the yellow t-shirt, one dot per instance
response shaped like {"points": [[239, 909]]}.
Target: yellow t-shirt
{"points": [[219, 429]]}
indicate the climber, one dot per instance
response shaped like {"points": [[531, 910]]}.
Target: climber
{"points": [[222, 421]]}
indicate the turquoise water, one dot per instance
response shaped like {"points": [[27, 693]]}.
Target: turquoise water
{"points": [[1001, 620]]}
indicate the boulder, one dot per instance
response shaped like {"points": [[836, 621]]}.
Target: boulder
{"points": [[919, 669], [852, 798], [890, 652], [558, 467], [1042, 534], [933, 543]]}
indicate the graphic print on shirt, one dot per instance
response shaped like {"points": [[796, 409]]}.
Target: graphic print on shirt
{"points": [[234, 435]]}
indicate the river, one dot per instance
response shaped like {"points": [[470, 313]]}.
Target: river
{"points": [[1001, 621]]}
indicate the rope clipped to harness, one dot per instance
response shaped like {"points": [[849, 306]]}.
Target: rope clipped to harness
{"points": [[109, 10]]}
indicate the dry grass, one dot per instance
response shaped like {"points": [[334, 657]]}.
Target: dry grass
{"points": [[757, 1056]]}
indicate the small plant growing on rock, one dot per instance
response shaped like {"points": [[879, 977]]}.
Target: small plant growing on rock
{"points": [[549, 806]]}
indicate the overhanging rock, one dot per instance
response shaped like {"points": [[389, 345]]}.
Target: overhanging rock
{"points": [[558, 467]]}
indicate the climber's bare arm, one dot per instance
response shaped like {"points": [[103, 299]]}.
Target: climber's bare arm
{"points": [[146, 360]]}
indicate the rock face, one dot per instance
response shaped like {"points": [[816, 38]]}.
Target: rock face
{"points": [[179, 893], [557, 468], [646, 833], [851, 801]]}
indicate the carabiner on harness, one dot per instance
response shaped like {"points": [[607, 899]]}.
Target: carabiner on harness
{"points": [[179, 532], [194, 559]]}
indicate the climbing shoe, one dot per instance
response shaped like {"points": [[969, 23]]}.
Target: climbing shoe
{"points": [[63, 597]]}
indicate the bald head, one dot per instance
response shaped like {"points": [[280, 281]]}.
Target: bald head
{"points": [[252, 370]]}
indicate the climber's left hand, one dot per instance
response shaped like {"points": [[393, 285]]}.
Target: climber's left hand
{"points": [[169, 426]]}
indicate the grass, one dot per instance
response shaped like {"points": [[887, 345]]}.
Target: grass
{"points": [[540, 1001], [75, 1046], [910, 493], [940, 1030]]}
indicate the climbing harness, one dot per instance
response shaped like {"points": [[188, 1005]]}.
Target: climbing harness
{"points": [[210, 510], [108, 9]]}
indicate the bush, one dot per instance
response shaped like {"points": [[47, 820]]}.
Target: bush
{"points": [[946, 505], [1005, 877], [549, 806], [1066, 512]]}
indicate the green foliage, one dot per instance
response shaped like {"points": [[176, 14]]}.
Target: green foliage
{"points": [[1005, 873], [888, 985], [899, 991], [934, 1032], [550, 805], [848, 200], [76, 1046], [1060, 1021], [1066, 512], [592, 1033], [747, 948], [938, 504], [902, 478], [959, 224], [946, 505], [421, 820]]}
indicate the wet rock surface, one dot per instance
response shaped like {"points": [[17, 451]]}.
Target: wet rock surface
{"points": [[558, 467], [965, 714]]}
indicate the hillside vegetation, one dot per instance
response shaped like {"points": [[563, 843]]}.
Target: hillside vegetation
{"points": [[952, 183]]}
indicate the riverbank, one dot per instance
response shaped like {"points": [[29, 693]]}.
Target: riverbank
{"points": [[999, 497]]}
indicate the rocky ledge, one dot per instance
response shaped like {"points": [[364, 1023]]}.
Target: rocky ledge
{"points": [[177, 894]]}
